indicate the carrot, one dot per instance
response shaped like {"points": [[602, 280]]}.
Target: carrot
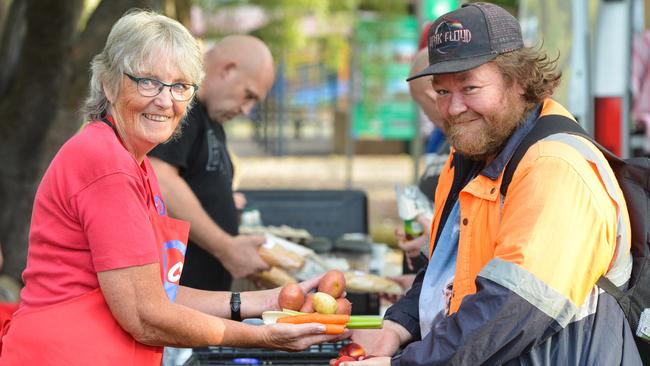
{"points": [[340, 319], [334, 328]]}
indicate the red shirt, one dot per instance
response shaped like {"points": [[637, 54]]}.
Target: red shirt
{"points": [[90, 215]]}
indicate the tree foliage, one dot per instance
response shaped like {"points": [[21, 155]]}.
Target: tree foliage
{"points": [[284, 31]]}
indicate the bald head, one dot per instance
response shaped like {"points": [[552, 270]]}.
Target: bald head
{"points": [[421, 89], [248, 52], [239, 72]]}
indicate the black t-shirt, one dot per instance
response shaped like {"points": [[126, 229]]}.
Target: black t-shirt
{"points": [[203, 161]]}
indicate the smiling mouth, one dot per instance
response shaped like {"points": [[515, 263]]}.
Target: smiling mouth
{"points": [[464, 121], [155, 117]]}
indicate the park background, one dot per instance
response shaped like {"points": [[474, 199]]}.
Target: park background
{"points": [[339, 115]]}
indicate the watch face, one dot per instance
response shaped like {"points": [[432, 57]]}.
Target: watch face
{"points": [[235, 304], [234, 298]]}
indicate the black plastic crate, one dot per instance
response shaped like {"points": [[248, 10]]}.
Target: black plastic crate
{"points": [[326, 213], [319, 354]]}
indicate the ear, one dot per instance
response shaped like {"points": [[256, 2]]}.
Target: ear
{"points": [[229, 69]]}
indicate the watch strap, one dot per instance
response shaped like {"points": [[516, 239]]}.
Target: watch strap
{"points": [[235, 306]]}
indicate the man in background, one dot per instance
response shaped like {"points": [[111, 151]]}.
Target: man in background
{"points": [[196, 171]]}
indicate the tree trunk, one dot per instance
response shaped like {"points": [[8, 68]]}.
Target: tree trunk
{"points": [[40, 108], [27, 112], [13, 35]]}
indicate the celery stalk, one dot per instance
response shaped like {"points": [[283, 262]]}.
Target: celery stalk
{"points": [[365, 322]]}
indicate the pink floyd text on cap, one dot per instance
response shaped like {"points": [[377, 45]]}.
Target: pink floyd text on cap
{"points": [[469, 37]]}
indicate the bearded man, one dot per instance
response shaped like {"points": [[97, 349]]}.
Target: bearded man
{"points": [[511, 280]]}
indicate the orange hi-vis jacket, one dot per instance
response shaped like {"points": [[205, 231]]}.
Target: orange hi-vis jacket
{"points": [[535, 225]]}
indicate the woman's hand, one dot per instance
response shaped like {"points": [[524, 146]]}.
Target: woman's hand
{"points": [[297, 337]]}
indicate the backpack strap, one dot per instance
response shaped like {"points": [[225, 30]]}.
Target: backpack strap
{"points": [[544, 127], [607, 285]]}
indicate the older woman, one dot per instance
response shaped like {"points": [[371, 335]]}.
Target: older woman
{"points": [[101, 283]]}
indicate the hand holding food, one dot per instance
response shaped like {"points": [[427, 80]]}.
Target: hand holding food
{"points": [[320, 307], [296, 337]]}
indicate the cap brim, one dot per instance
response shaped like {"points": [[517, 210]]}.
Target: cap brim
{"points": [[448, 66]]}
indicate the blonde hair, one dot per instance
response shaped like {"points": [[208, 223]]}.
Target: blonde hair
{"points": [[134, 42]]}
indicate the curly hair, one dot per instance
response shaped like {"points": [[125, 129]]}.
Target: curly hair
{"points": [[533, 69]]}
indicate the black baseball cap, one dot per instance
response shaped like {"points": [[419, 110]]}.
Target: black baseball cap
{"points": [[469, 37]]}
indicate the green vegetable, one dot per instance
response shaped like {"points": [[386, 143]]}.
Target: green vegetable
{"points": [[365, 322]]}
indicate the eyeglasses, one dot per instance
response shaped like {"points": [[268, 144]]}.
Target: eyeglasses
{"points": [[148, 87]]}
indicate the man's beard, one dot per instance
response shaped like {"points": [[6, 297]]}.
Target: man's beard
{"points": [[482, 139]]}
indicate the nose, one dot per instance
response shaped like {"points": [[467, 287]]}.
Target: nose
{"points": [[456, 104], [164, 99]]}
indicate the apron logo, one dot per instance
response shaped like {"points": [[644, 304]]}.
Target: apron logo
{"points": [[449, 34], [173, 258], [174, 273]]}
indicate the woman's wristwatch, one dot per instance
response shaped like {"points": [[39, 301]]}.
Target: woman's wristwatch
{"points": [[235, 306]]}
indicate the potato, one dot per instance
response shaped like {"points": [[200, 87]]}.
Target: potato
{"points": [[324, 303], [332, 283], [291, 297], [343, 306]]}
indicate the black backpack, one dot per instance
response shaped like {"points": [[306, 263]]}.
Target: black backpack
{"points": [[633, 176]]}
